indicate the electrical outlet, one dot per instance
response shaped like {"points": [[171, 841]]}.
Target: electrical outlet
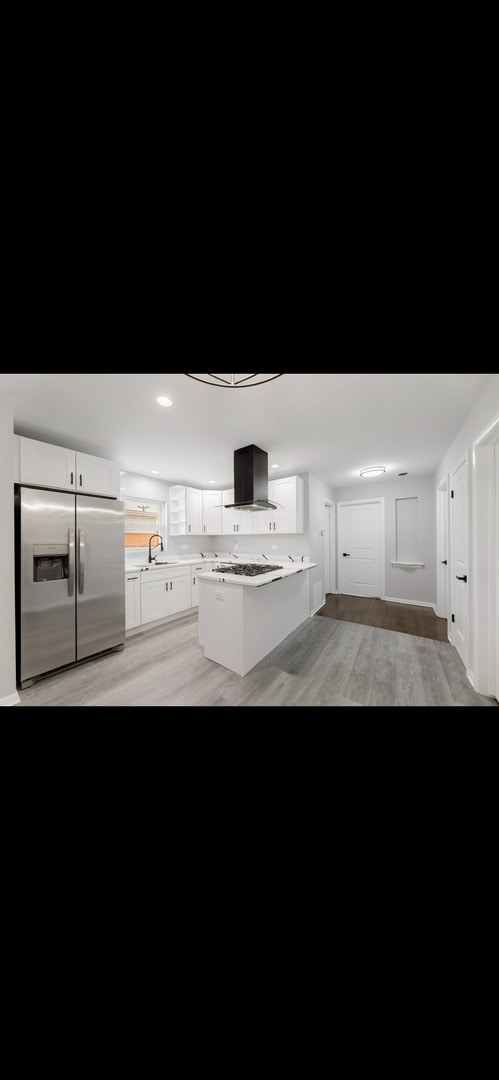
{"points": [[273, 547], [219, 596], [236, 545]]}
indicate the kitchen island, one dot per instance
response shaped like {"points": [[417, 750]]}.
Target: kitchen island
{"points": [[242, 618]]}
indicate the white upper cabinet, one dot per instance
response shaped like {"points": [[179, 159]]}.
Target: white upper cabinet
{"points": [[44, 465], [97, 476], [231, 518], [263, 519], [235, 521], [186, 510], [288, 495], [212, 513], [194, 511]]}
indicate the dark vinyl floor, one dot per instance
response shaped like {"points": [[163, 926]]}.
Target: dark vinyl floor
{"points": [[404, 618]]}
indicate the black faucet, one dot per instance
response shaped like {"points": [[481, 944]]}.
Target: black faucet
{"points": [[152, 538]]}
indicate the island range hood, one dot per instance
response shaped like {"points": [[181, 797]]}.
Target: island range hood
{"points": [[251, 480]]}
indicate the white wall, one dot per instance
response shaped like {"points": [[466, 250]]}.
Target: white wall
{"points": [[404, 584], [483, 412], [8, 692]]}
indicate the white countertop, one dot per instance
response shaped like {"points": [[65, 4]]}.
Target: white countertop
{"points": [[288, 566], [285, 570]]}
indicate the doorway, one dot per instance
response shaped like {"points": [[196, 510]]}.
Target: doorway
{"points": [[329, 548], [483, 665], [361, 548], [459, 558], [443, 549]]}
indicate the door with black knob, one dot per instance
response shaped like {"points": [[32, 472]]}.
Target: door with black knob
{"points": [[459, 568], [361, 548]]}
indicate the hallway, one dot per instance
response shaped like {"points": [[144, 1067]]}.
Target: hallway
{"points": [[404, 618]]}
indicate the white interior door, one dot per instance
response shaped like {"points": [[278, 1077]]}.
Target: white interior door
{"points": [[442, 551], [459, 578], [496, 488], [327, 551], [361, 548]]}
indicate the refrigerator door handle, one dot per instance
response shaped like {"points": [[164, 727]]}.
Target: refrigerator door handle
{"points": [[81, 560], [71, 562]]}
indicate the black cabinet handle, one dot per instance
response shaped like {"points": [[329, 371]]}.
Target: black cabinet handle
{"points": [[444, 562], [346, 554], [463, 578]]}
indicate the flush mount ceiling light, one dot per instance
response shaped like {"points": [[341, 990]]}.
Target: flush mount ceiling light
{"points": [[164, 401], [373, 470], [233, 382]]}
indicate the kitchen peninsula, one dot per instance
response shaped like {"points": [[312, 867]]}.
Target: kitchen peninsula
{"points": [[246, 611]]}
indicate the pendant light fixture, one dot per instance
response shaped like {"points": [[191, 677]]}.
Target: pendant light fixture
{"points": [[233, 382]]}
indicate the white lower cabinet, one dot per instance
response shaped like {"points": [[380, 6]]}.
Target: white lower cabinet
{"points": [[179, 596], [195, 570], [201, 568], [155, 594], [132, 601], [164, 593], [154, 598]]}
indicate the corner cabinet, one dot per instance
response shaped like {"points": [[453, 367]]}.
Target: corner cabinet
{"points": [[185, 506], [289, 517], [44, 465], [212, 513]]}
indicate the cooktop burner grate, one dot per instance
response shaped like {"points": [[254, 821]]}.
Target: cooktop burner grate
{"points": [[246, 569]]}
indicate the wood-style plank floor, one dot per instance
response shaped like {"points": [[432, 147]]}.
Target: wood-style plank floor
{"points": [[323, 662], [406, 618]]}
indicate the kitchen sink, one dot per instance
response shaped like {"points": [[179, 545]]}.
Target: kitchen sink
{"points": [[153, 566]]}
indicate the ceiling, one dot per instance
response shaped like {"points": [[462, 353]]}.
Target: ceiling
{"points": [[330, 425]]}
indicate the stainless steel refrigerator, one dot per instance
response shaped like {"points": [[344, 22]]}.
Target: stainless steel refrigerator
{"points": [[70, 579]]}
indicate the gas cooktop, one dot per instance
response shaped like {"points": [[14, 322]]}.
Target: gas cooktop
{"points": [[246, 569]]}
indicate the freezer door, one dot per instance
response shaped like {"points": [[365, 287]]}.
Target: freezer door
{"points": [[100, 577], [45, 569]]}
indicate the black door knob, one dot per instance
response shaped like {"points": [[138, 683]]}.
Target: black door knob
{"points": [[444, 562], [463, 578]]}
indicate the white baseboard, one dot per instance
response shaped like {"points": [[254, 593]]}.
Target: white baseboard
{"points": [[11, 699], [414, 603]]}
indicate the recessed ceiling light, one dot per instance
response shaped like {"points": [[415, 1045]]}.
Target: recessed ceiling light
{"points": [[155, 472], [165, 401], [373, 470], [211, 481], [275, 466]]}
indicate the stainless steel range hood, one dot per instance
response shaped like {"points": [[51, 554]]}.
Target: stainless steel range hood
{"points": [[251, 480]]}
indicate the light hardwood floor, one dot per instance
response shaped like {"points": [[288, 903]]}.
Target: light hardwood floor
{"points": [[323, 662]]}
